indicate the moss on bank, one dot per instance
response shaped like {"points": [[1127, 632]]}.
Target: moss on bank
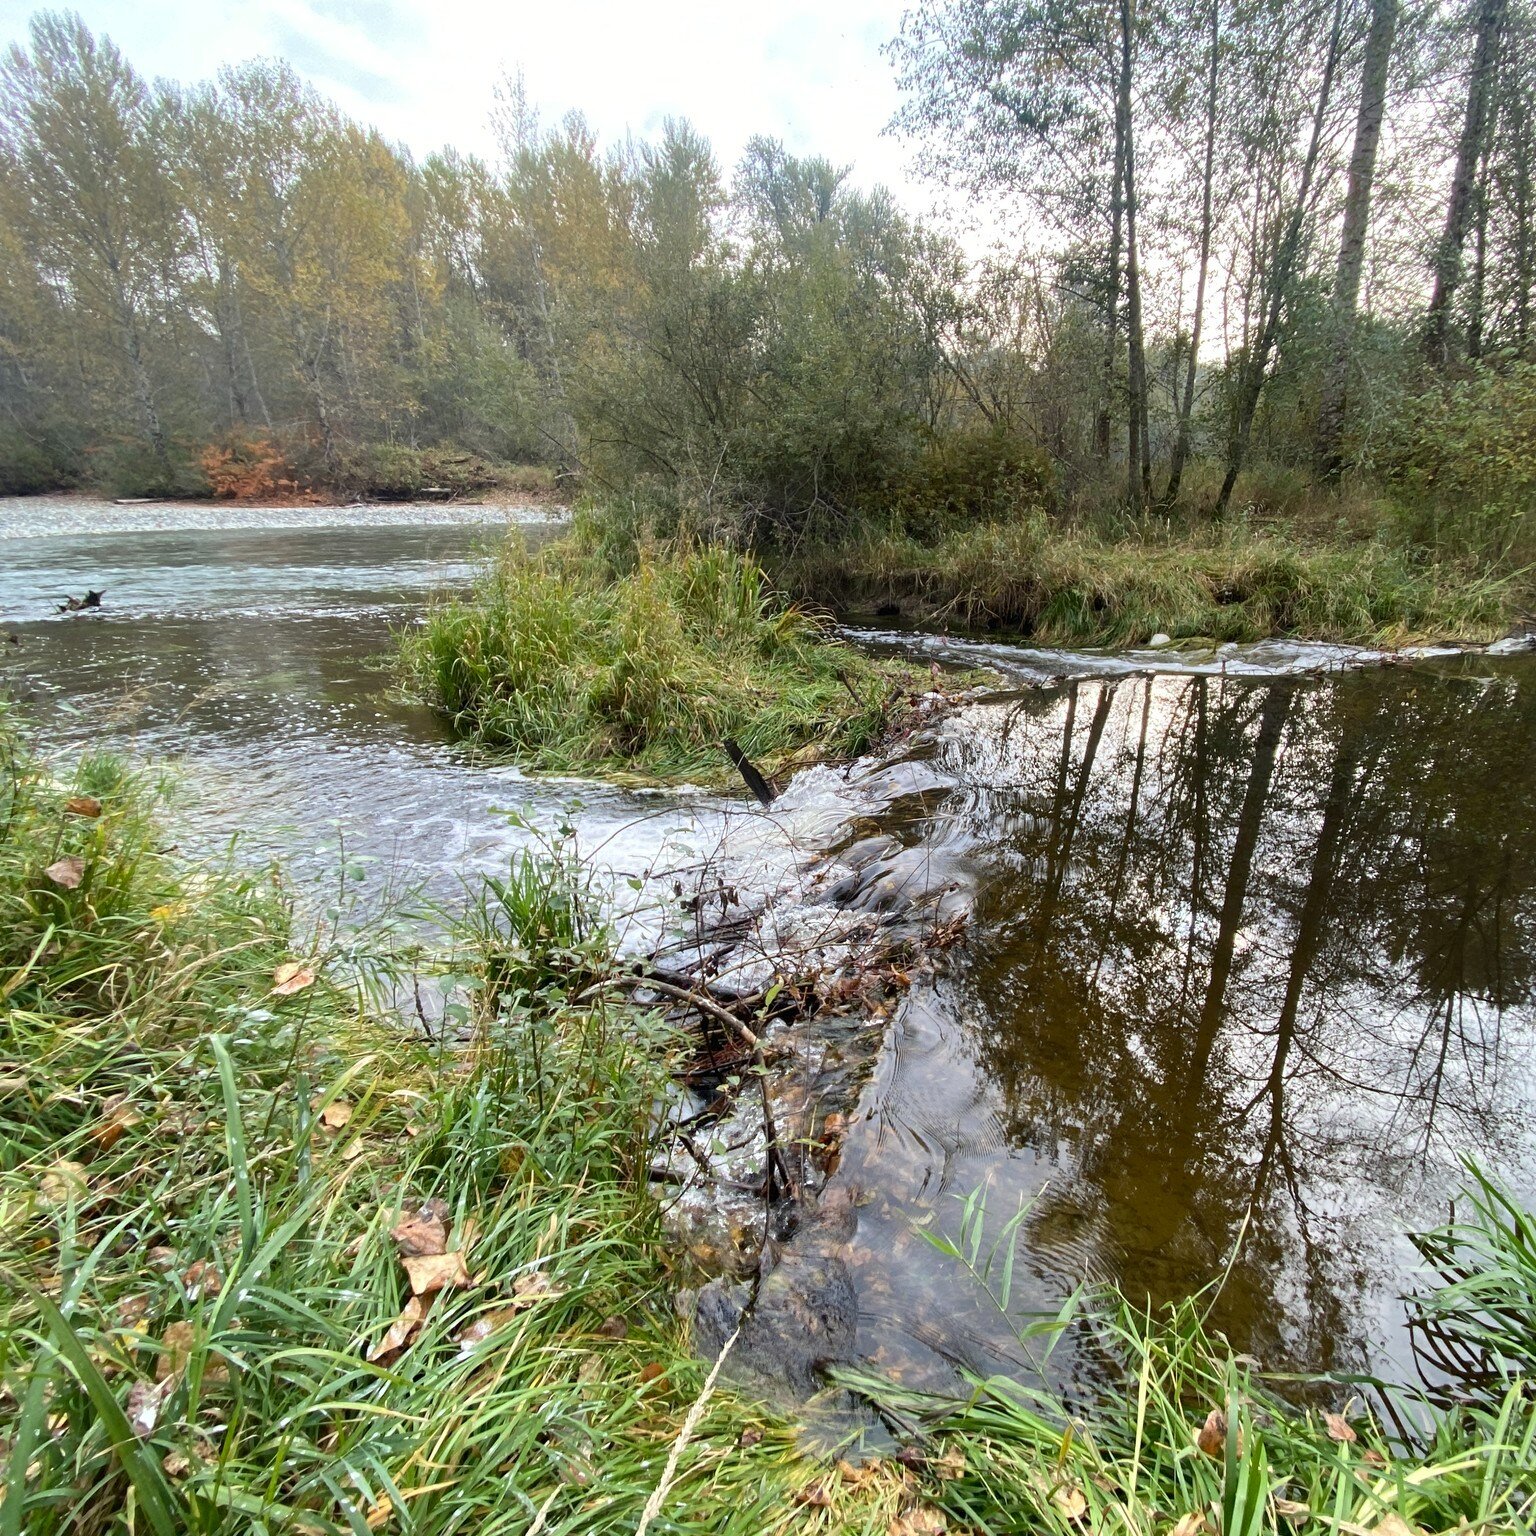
{"points": [[573, 668], [1065, 586]]}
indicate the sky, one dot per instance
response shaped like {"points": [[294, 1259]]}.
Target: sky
{"points": [[423, 71]]}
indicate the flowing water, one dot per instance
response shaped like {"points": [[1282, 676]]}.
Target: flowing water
{"points": [[1251, 961]]}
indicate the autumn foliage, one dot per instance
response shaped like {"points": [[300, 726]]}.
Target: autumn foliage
{"points": [[253, 468]]}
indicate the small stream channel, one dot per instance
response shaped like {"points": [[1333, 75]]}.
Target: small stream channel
{"points": [[1251, 954]]}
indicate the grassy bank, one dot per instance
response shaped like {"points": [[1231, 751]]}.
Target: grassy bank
{"points": [[206, 1142], [576, 669], [271, 1263], [1065, 585]]}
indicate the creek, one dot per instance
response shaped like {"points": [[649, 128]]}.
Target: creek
{"points": [[1251, 956]]}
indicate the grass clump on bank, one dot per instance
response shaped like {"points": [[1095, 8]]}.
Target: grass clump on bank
{"points": [[576, 669], [1063, 585]]}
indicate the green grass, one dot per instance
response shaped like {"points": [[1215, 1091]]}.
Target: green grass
{"points": [[572, 668], [1068, 586], [195, 1255], [208, 1129]]}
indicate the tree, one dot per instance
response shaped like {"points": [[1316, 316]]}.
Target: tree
{"points": [[1357, 211], [1487, 22]]}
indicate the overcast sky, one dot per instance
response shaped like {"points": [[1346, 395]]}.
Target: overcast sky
{"points": [[423, 70]]}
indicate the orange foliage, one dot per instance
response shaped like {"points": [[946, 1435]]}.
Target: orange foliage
{"points": [[253, 469]]}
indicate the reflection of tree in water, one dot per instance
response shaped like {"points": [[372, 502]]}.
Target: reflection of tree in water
{"points": [[1255, 952]]}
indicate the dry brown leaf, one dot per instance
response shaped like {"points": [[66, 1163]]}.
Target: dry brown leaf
{"points": [[400, 1332], [63, 1182], [1212, 1438], [1338, 1428], [536, 1287], [336, 1114], [290, 977], [202, 1279], [83, 805], [919, 1522], [750, 1436], [432, 1272], [855, 1477], [145, 1400], [1374, 1457], [484, 1326], [1393, 1524], [1193, 1524], [613, 1327], [68, 872], [176, 1344], [353, 1150], [817, 1495], [1069, 1500], [652, 1372], [176, 1464], [950, 1465], [1289, 1509], [420, 1236], [118, 1115]]}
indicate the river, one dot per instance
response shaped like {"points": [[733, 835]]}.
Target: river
{"points": [[1251, 962]]}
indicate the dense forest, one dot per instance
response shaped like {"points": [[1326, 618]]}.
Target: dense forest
{"points": [[1254, 247]]}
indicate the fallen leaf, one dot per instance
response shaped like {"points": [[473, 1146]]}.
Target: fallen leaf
{"points": [[919, 1522], [465, 1234], [1338, 1428], [176, 1345], [1070, 1501], [484, 1326], [855, 1477], [202, 1279], [613, 1328], [1374, 1457], [528, 1289], [951, 1464], [1289, 1509], [132, 1310], [652, 1372], [817, 1495], [353, 1150], [68, 872], [591, 1370], [290, 977], [431, 1272], [1212, 1438], [118, 1116], [64, 1182], [1194, 1524], [750, 1436], [400, 1332], [83, 805], [1393, 1524], [336, 1114], [176, 1464], [145, 1400], [420, 1236]]}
